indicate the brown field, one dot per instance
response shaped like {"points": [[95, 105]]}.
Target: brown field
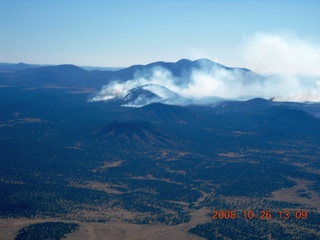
{"points": [[9, 228], [291, 194]]}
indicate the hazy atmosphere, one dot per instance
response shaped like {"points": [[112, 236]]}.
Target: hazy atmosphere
{"points": [[279, 38], [264, 36]]}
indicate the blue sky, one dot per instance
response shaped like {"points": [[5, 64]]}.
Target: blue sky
{"points": [[122, 33]]}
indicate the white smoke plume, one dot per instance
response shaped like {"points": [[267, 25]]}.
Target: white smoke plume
{"points": [[118, 89], [283, 53], [295, 61], [292, 64]]}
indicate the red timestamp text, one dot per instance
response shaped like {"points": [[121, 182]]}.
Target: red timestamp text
{"points": [[262, 214]]}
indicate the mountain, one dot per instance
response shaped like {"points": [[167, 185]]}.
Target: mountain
{"points": [[13, 67], [250, 106], [66, 75], [61, 75], [132, 134], [140, 96], [144, 95], [170, 75], [163, 113], [282, 118], [180, 80], [181, 69], [137, 85]]}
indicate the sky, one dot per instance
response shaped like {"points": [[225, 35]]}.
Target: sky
{"points": [[265, 36]]}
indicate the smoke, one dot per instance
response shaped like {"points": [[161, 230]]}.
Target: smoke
{"points": [[156, 76], [292, 64], [293, 61], [283, 53], [207, 83]]}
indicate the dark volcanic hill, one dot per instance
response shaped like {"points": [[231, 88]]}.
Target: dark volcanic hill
{"points": [[149, 93], [283, 117], [133, 134], [163, 113], [250, 106]]}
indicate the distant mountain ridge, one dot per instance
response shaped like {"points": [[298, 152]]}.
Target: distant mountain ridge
{"points": [[173, 77], [13, 67], [178, 69], [95, 83], [179, 73]]}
